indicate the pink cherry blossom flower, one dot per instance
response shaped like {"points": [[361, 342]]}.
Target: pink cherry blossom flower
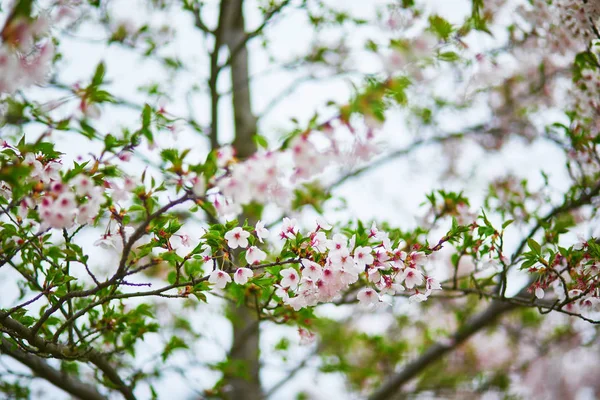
{"points": [[106, 241], [416, 257], [282, 292], [388, 285], [417, 298], [368, 296], [24, 206], [373, 232], [288, 229], [290, 278], [318, 241], [347, 277], [329, 275], [237, 237], [198, 186], [58, 187], [129, 184], [261, 231], [206, 254], [322, 224], [125, 156], [87, 212], [219, 278], [373, 274], [338, 242], [37, 171], [297, 303], [224, 155], [118, 192], [432, 284], [352, 243], [254, 255], [589, 303], [82, 184], [306, 336], [51, 172], [59, 213], [363, 257], [311, 270], [412, 277], [341, 259], [242, 275]]}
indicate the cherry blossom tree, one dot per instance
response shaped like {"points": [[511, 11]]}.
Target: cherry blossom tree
{"points": [[158, 239]]}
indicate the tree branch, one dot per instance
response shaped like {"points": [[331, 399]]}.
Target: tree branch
{"points": [[59, 351], [438, 350], [240, 46], [40, 368]]}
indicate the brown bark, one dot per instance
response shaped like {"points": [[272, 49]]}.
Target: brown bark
{"points": [[42, 369], [244, 382]]}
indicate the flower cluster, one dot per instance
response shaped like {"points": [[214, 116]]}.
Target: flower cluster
{"points": [[264, 178], [575, 281], [24, 59], [58, 204], [328, 263]]}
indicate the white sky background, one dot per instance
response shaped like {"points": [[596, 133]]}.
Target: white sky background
{"points": [[392, 193]]}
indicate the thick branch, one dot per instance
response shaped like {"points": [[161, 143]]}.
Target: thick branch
{"points": [[22, 332], [245, 351], [41, 369], [241, 44], [438, 350], [234, 37]]}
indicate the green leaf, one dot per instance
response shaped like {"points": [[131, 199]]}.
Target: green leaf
{"points": [[442, 28], [535, 246], [507, 223], [210, 165], [449, 56], [146, 116], [174, 344], [99, 74], [261, 141]]}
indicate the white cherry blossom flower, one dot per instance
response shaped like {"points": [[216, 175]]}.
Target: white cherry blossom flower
{"points": [[306, 336], [417, 298], [224, 155], [198, 186], [242, 275], [363, 257], [237, 237], [432, 284], [322, 224], [290, 278], [282, 292], [82, 184], [338, 242], [288, 229], [318, 241], [368, 296], [254, 255], [412, 277], [219, 278], [341, 259], [539, 293], [347, 277], [311, 270], [261, 231]]}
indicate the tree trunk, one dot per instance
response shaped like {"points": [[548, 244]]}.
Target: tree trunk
{"points": [[245, 351]]}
